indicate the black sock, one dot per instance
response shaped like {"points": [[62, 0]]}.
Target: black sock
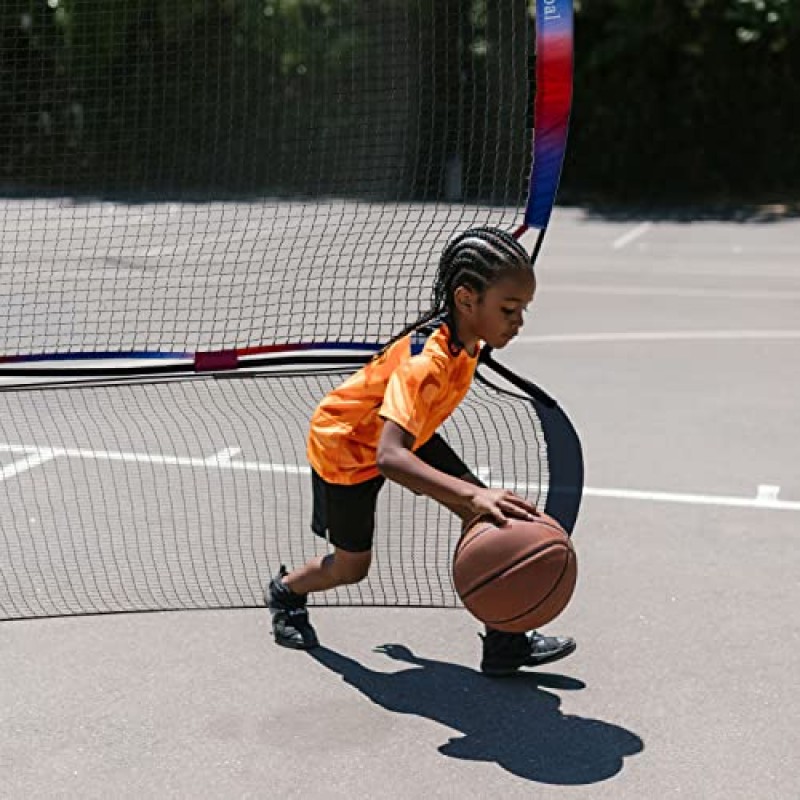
{"points": [[284, 591]]}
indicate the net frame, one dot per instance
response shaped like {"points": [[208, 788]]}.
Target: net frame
{"points": [[561, 493], [552, 105]]}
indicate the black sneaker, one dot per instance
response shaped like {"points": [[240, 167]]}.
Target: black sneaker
{"points": [[505, 653], [290, 625]]}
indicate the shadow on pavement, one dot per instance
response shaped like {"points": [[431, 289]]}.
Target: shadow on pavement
{"points": [[512, 721]]}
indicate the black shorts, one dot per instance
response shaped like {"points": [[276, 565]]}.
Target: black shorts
{"points": [[347, 513]]}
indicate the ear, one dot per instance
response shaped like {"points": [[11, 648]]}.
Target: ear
{"points": [[465, 299]]}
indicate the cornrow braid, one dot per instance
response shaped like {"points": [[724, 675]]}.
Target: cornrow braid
{"points": [[476, 258]]}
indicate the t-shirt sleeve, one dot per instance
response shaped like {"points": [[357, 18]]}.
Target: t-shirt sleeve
{"points": [[411, 392]]}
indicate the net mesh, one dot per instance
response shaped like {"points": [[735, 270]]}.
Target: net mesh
{"points": [[213, 174], [199, 175], [190, 494]]}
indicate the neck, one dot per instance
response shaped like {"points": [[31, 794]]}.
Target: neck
{"points": [[471, 345], [464, 336]]}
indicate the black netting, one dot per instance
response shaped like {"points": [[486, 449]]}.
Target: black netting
{"points": [[189, 175], [190, 494], [198, 175]]}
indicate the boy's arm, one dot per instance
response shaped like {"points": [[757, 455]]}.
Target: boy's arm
{"points": [[397, 462]]}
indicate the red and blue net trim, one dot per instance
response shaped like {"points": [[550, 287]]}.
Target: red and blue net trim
{"points": [[552, 106]]}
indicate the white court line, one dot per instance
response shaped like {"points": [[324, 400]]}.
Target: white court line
{"points": [[767, 493], [766, 497], [763, 499], [40, 456], [631, 235], [759, 501], [212, 462], [223, 458], [660, 336], [672, 291]]}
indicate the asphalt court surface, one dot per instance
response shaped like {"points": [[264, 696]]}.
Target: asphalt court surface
{"points": [[673, 347]]}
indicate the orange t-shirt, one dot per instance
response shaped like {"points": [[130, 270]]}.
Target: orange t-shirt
{"points": [[416, 389]]}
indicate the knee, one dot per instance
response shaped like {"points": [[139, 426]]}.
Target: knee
{"points": [[355, 573]]}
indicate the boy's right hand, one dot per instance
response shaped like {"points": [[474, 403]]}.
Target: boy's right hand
{"points": [[499, 505]]}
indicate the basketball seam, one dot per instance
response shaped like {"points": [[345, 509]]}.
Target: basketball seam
{"points": [[536, 605], [489, 525], [506, 567]]}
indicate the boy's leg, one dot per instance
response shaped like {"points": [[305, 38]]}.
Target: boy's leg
{"points": [[290, 623], [347, 515], [329, 571], [287, 594], [503, 653]]}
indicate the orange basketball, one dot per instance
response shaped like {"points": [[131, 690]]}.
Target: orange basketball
{"points": [[515, 577]]}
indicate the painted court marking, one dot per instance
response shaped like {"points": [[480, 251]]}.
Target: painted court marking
{"points": [[673, 291], [33, 459], [766, 496], [631, 235], [763, 499], [661, 336]]}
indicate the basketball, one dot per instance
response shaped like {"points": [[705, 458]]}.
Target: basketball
{"points": [[515, 577]]}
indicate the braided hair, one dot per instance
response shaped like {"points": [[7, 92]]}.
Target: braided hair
{"points": [[477, 258]]}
